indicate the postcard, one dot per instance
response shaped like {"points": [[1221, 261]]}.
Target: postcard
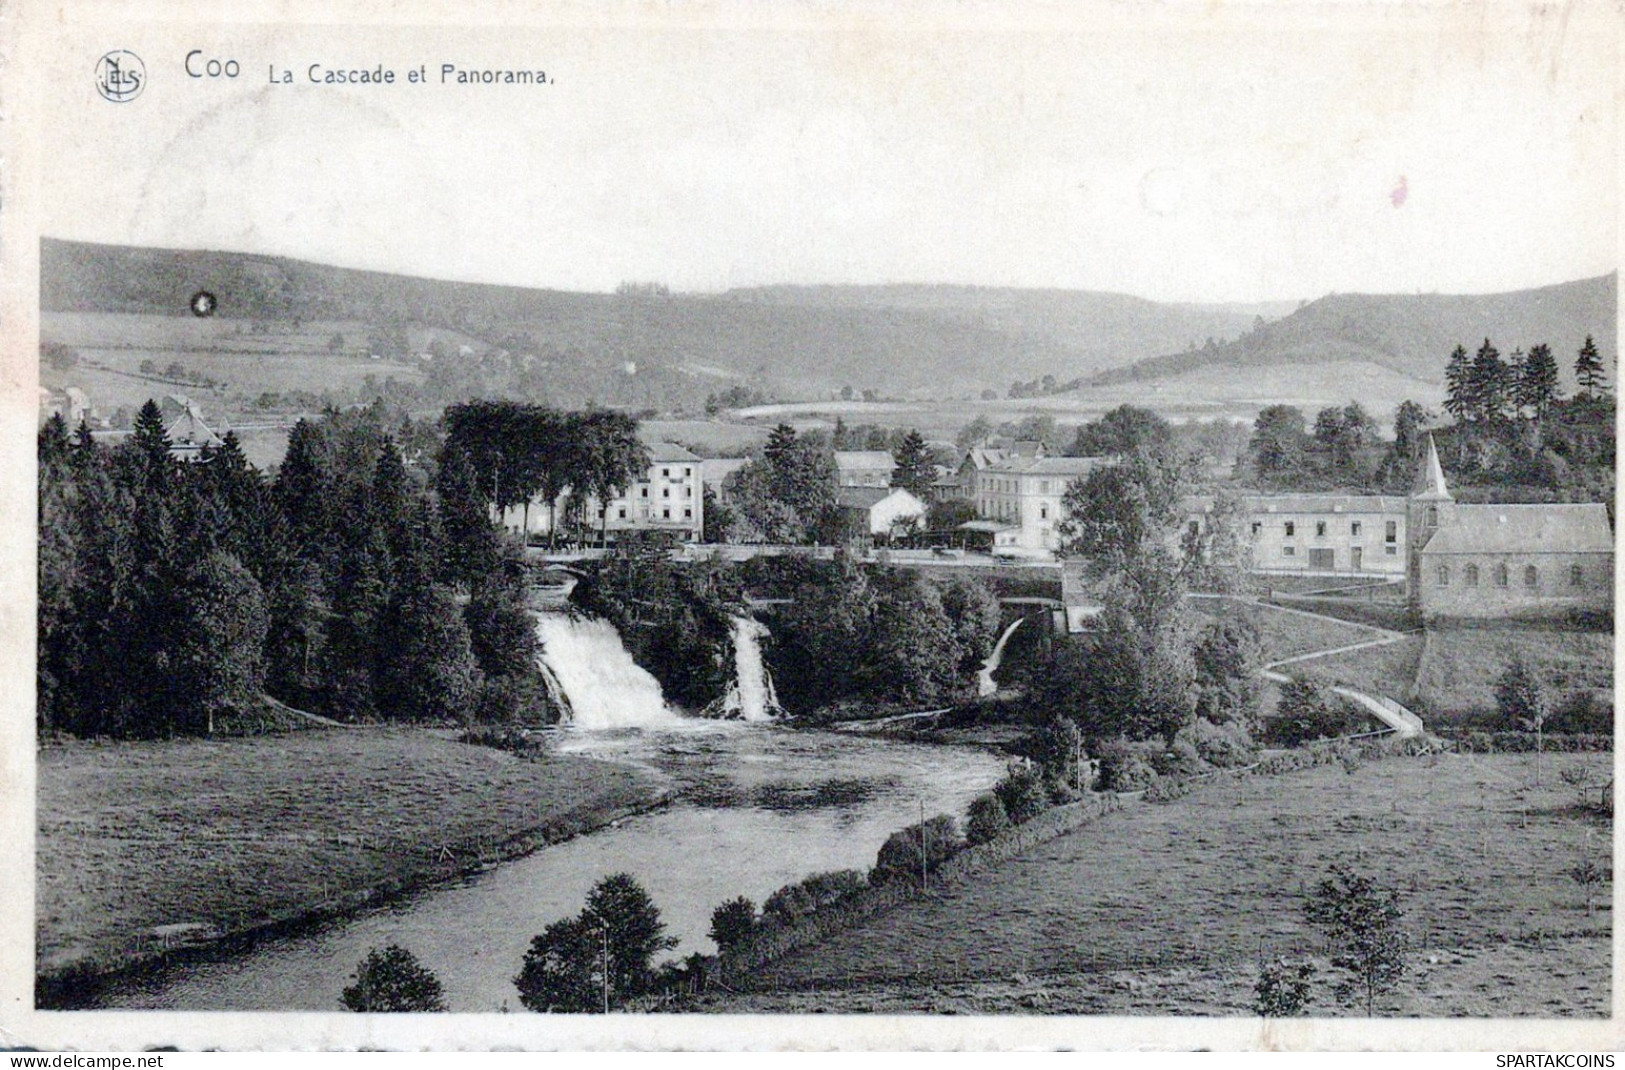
{"points": [[815, 525]]}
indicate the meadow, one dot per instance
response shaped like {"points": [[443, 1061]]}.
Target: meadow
{"points": [[1167, 908], [226, 834]]}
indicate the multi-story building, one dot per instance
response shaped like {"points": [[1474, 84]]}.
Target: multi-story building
{"points": [[1026, 493], [668, 497], [1327, 532], [863, 468]]}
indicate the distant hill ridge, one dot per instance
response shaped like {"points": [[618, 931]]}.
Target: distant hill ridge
{"points": [[1410, 333], [804, 340]]}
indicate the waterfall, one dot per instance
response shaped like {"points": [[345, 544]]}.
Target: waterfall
{"points": [[598, 684], [984, 679], [751, 696]]}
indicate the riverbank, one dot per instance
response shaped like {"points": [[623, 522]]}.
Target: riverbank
{"points": [[1165, 909], [152, 849]]}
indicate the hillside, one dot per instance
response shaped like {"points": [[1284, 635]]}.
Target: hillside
{"points": [[1411, 334], [796, 341]]}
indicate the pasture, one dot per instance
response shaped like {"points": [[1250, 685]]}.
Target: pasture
{"points": [[1166, 908], [226, 833]]}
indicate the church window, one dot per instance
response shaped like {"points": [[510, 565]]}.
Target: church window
{"points": [[1502, 576], [1577, 575], [1442, 577], [1390, 532], [1433, 516], [1531, 576], [1472, 575]]}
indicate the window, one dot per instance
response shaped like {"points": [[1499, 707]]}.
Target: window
{"points": [[1195, 527], [1442, 576], [1043, 486], [1320, 529], [1043, 511], [1390, 532], [621, 514], [1472, 575], [688, 492], [1577, 575], [688, 514], [643, 491], [1258, 527], [665, 492], [1531, 576], [1391, 551], [665, 473], [665, 514], [1502, 577], [1291, 529], [1433, 516], [1354, 528], [1288, 551]]}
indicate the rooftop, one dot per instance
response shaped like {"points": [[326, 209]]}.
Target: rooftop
{"points": [[1525, 529]]}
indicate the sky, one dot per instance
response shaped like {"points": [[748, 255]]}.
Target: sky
{"points": [[1179, 152]]}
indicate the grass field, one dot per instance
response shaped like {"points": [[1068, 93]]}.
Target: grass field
{"points": [[1166, 908], [1460, 665], [1388, 670], [225, 834]]}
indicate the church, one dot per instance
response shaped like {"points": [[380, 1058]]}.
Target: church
{"points": [[1504, 561]]}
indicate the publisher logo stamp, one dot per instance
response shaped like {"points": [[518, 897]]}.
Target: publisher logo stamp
{"points": [[120, 76]]}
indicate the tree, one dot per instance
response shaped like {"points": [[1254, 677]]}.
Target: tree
{"points": [[601, 958], [214, 655], [1522, 700], [1361, 921], [426, 666], [974, 433], [392, 980], [913, 852], [1492, 383], [1124, 430], [1589, 371], [914, 472], [732, 923], [1537, 381], [1228, 655], [1278, 441], [1342, 433], [1461, 398], [1282, 989], [1405, 452], [1588, 875]]}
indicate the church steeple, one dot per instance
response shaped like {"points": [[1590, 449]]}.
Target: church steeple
{"points": [[1430, 485]]}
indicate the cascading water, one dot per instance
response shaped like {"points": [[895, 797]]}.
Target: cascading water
{"points": [[751, 696], [598, 684], [984, 679]]}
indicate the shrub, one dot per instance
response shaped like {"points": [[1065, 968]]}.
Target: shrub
{"points": [[1123, 767], [1166, 789], [732, 922], [1023, 795], [620, 927], [986, 819], [1178, 760], [510, 738], [925, 846], [1223, 746], [1282, 989], [1307, 712], [1058, 749], [392, 980], [1581, 712], [794, 902]]}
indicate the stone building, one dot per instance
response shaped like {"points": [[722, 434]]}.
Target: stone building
{"points": [[1505, 561]]}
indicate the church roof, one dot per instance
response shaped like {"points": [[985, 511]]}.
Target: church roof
{"points": [[1524, 529], [1430, 484]]}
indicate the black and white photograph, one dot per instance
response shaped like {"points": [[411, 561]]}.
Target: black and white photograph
{"points": [[790, 524]]}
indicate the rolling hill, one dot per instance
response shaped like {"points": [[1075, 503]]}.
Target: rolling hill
{"points": [[1411, 334]]}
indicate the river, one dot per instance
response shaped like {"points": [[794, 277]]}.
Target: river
{"points": [[758, 806]]}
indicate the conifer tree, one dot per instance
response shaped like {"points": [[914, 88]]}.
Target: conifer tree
{"points": [[1588, 370], [914, 472], [1537, 381], [1460, 401]]}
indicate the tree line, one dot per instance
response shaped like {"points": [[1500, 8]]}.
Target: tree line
{"points": [[360, 582]]}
